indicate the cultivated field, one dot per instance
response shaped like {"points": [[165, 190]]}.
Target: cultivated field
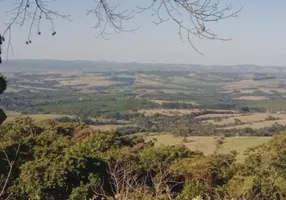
{"points": [[246, 91], [85, 81], [246, 118], [216, 116], [111, 96], [169, 112], [109, 127], [36, 117], [183, 102], [251, 98], [258, 125]]}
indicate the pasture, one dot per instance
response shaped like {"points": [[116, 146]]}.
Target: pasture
{"points": [[137, 96], [169, 112], [208, 146]]}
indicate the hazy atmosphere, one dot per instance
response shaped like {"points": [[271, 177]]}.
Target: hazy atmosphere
{"points": [[257, 37], [137, 114]]}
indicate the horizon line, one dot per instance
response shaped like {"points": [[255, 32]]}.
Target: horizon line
{"points": [[161, 63]]}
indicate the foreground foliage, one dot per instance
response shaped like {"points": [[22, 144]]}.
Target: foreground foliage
{"points": [[71, 161]]}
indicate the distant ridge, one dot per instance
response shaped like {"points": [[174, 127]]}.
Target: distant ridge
{"points": [[46, 65]]}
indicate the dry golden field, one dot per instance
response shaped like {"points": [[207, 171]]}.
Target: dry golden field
{"points": [[85, 80], [251, 98], [246, 91], [207, 145], [250, 118], [203, 144], [164, 101], [108, 127], [36, 117], [217, 115], [258, 125], [169, 112]]}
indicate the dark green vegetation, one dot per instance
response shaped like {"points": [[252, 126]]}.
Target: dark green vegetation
{"points": [[3, 83], [71, 161], [108, 94], [71, 157], [120, 95]]}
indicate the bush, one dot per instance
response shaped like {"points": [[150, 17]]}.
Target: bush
{"points": [[185, 140], [217, 119], [271, 118], [219, 142], [3, 83], [244, 109]]}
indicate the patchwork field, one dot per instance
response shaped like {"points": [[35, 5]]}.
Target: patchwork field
{"points": [[240, 85], [85, 80], [270, 90], [119, 96], [145, 80]]}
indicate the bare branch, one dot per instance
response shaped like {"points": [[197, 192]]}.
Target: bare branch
{"points": [[32, 11], [192, 17], [11, 164], [200, 12], [108, 16]]}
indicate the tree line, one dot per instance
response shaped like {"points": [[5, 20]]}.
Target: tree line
{"points": [[52, 160]]}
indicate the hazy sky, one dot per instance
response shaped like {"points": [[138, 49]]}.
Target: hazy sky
{"points": [[258, 37]]}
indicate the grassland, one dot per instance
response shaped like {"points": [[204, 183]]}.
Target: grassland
{"points": [[207, 145], [272, 105], [203, 144], [85, 80], [258, 125], [245, 118], [169, 112], [107, 95], [109, 127], [247, 91], [36, 117], [240, 144], [206, 116], [165, 101], [251, 98]]}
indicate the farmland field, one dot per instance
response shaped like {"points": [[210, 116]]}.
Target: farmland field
{"points": [[207, 145], [36, 117], [249, 118], [197, 104], [258, 125], [167, 111]]}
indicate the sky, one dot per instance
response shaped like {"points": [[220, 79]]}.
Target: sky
{"points": [[258, 36]]}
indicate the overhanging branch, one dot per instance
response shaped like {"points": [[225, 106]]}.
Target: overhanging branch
{"points": [[192, 17]]}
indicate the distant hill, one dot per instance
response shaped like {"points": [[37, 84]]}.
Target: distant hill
{"points": [[107, 66]]}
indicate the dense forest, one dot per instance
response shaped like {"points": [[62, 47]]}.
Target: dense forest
{"points": [[54, 160]]}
